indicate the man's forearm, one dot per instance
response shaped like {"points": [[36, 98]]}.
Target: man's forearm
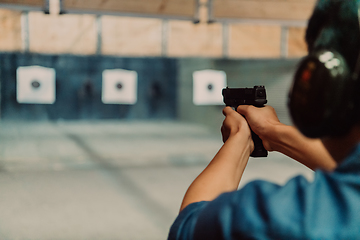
{"points": [[286, 139], [223, 173], [310, 152]]}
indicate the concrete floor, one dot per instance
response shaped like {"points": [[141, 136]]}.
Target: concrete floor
{"points": [[107, 180]]}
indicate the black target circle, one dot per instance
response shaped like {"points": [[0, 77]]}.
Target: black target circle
{"points": [[35, 84], [119, 86]]}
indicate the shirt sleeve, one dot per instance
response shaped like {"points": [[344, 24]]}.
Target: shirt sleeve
{"points": [[184, 224], [260, 210]]}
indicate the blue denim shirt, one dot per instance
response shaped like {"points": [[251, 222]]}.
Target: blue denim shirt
{"points": [[327, 208]]}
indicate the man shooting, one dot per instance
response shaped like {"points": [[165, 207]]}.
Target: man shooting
{"points": [[325, 105]]}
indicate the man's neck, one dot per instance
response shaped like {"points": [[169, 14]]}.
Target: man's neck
{"points": [[340, 147]]}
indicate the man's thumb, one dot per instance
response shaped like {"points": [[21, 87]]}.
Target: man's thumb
{"points": [[243, 109]]}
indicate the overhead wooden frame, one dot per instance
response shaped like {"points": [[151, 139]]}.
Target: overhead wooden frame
{"points": [[23, 5], [264, 10], [179, 9]]}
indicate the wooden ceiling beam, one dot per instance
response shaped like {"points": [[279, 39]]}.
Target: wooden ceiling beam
{"points": [[176, 8], [23, 4], [283, 10]]}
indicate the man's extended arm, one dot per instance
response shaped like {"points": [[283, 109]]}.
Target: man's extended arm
{"points": [[286, 139], [224, 172]]}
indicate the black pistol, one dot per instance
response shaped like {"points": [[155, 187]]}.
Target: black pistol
{"points": [[256, 96]]}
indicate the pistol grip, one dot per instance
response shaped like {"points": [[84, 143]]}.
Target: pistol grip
{"points": [[259, 150]]}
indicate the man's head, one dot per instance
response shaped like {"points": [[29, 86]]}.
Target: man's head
{"points": [[324, 97]]}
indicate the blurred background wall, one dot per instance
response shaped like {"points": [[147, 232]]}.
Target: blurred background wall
{"points": [[253, 42]]}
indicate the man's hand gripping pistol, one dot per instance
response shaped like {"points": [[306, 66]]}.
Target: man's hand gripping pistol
{"points": [[256, 96]]}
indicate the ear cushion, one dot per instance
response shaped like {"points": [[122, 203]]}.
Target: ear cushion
{"points": [[321, 100]]}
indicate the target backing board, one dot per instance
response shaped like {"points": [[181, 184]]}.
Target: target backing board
{"points": [[207, 87], [35, 85], [119, 86]]}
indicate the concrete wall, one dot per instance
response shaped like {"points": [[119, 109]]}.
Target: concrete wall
{"points": [[56, 34], [297, 46], [128, 36], [131, 36], [254, 41], [10, 30]]}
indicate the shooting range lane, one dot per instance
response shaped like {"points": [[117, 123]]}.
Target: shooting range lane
{"points": [[106, 179], [136, 196], [85, 181]]}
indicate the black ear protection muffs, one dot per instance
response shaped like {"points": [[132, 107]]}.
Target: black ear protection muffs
{"points": [[323, 100]]}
